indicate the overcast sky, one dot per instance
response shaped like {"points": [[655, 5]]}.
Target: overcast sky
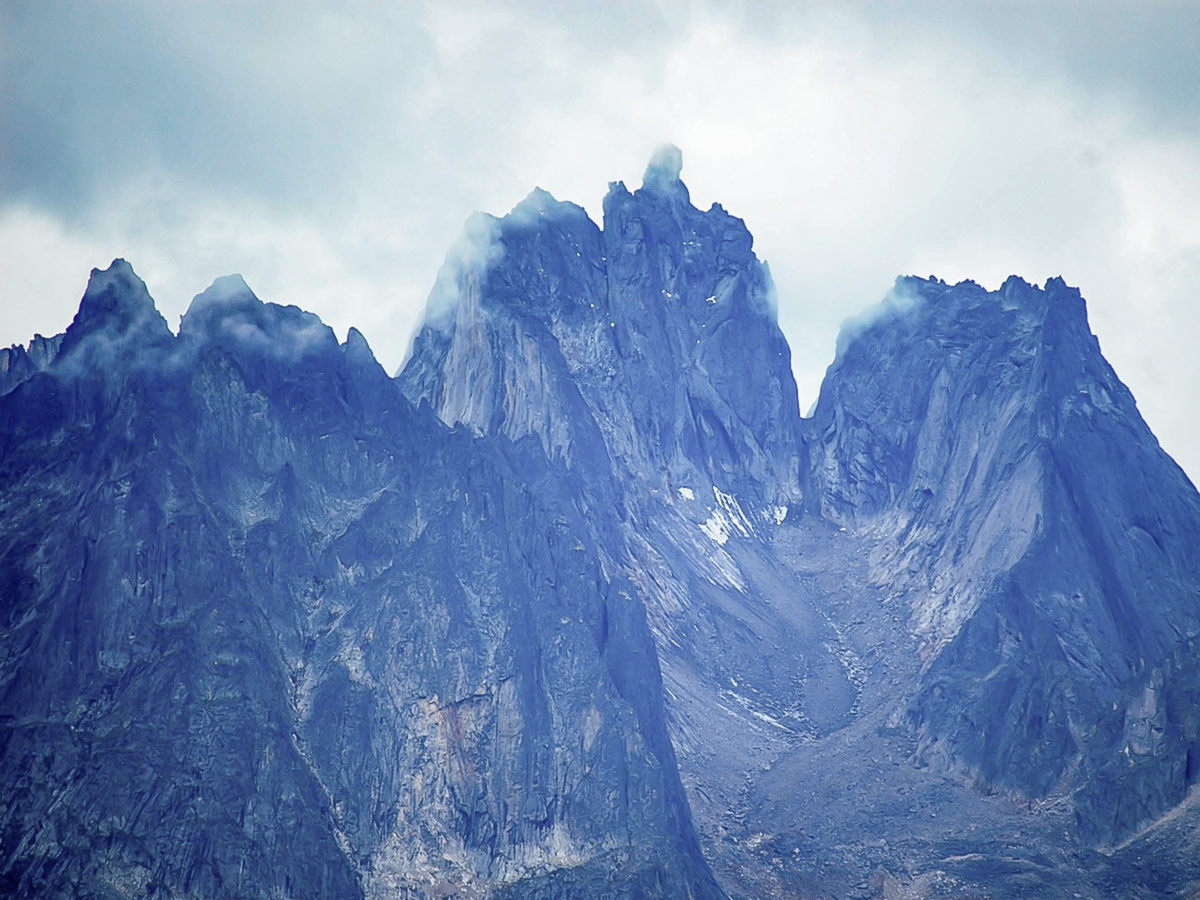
{"points": [[331, 154]]}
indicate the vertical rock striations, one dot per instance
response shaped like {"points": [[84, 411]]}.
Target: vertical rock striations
{"points": [[19, 363], [990, 476]]}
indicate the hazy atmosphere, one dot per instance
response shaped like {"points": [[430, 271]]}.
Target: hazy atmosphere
{"points": [[332, 155]]}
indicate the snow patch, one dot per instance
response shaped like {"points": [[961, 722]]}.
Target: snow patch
{"points": [[686, 493], [716, 527], [355, 662], [727, 519], [727, 571], [737, 519]]}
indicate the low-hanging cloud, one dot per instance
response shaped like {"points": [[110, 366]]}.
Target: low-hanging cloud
{"points": [[899, 305], [477, 249]]}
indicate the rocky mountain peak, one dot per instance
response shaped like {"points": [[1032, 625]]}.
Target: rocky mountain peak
{"points": [[663, 295], [983, 440], [539, 204], [115, 308], [229, 314], [255, 587], [224, 290], [356, 345], [18, 362]]}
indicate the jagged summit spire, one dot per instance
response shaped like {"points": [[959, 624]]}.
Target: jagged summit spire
{"points": [[536, 201], [662, 173], [115, 302], [540, 204], [119, 270], [114, 287]]}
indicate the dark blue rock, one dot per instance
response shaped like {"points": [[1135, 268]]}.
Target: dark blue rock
{"points": [[649, 350], [1000, 516]]}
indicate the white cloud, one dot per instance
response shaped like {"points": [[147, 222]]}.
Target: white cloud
{"points": [[43, 271], [333, 158]]}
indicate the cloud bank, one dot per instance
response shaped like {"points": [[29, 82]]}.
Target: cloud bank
{"points": [[331, 154]]}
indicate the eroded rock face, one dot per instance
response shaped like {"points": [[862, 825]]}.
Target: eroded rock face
{"points": [[1046, 542], [269, 630], [647, 359], [18, 363], [649, 350]]}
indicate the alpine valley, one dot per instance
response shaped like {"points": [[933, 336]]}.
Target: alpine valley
{"points": [[578, 605]]}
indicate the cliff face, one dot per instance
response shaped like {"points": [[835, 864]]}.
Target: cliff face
{"points": [[647, 351], [18, 363], [1045, 541], [269, 630], [646, 357]]}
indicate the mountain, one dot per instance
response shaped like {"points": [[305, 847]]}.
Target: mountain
{"points": [[969, 577], [271, 631], [1040, 547], [19, 363], [1047, 542], [647, 351], [578, 605]]}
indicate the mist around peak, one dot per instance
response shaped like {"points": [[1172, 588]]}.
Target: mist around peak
{"points": [[475, 251]]}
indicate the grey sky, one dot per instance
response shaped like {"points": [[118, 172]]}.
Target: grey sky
{"points": [[332, 153]]}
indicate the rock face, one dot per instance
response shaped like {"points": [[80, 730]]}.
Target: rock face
{"points": [[18, 363], [649, 362], [1047, 543], [648, 350], [271, 631], [578, 604]]}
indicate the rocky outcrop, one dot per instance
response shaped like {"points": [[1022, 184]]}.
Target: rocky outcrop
{"points": [[1014, 495], [1000, 513], [18, 363], [647, 359]]}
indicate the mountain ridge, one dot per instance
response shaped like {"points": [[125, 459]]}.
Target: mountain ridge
{"points": [[578, 602]]}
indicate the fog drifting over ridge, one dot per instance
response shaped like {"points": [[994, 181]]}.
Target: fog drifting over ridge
{"points": [[858, 143]]}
